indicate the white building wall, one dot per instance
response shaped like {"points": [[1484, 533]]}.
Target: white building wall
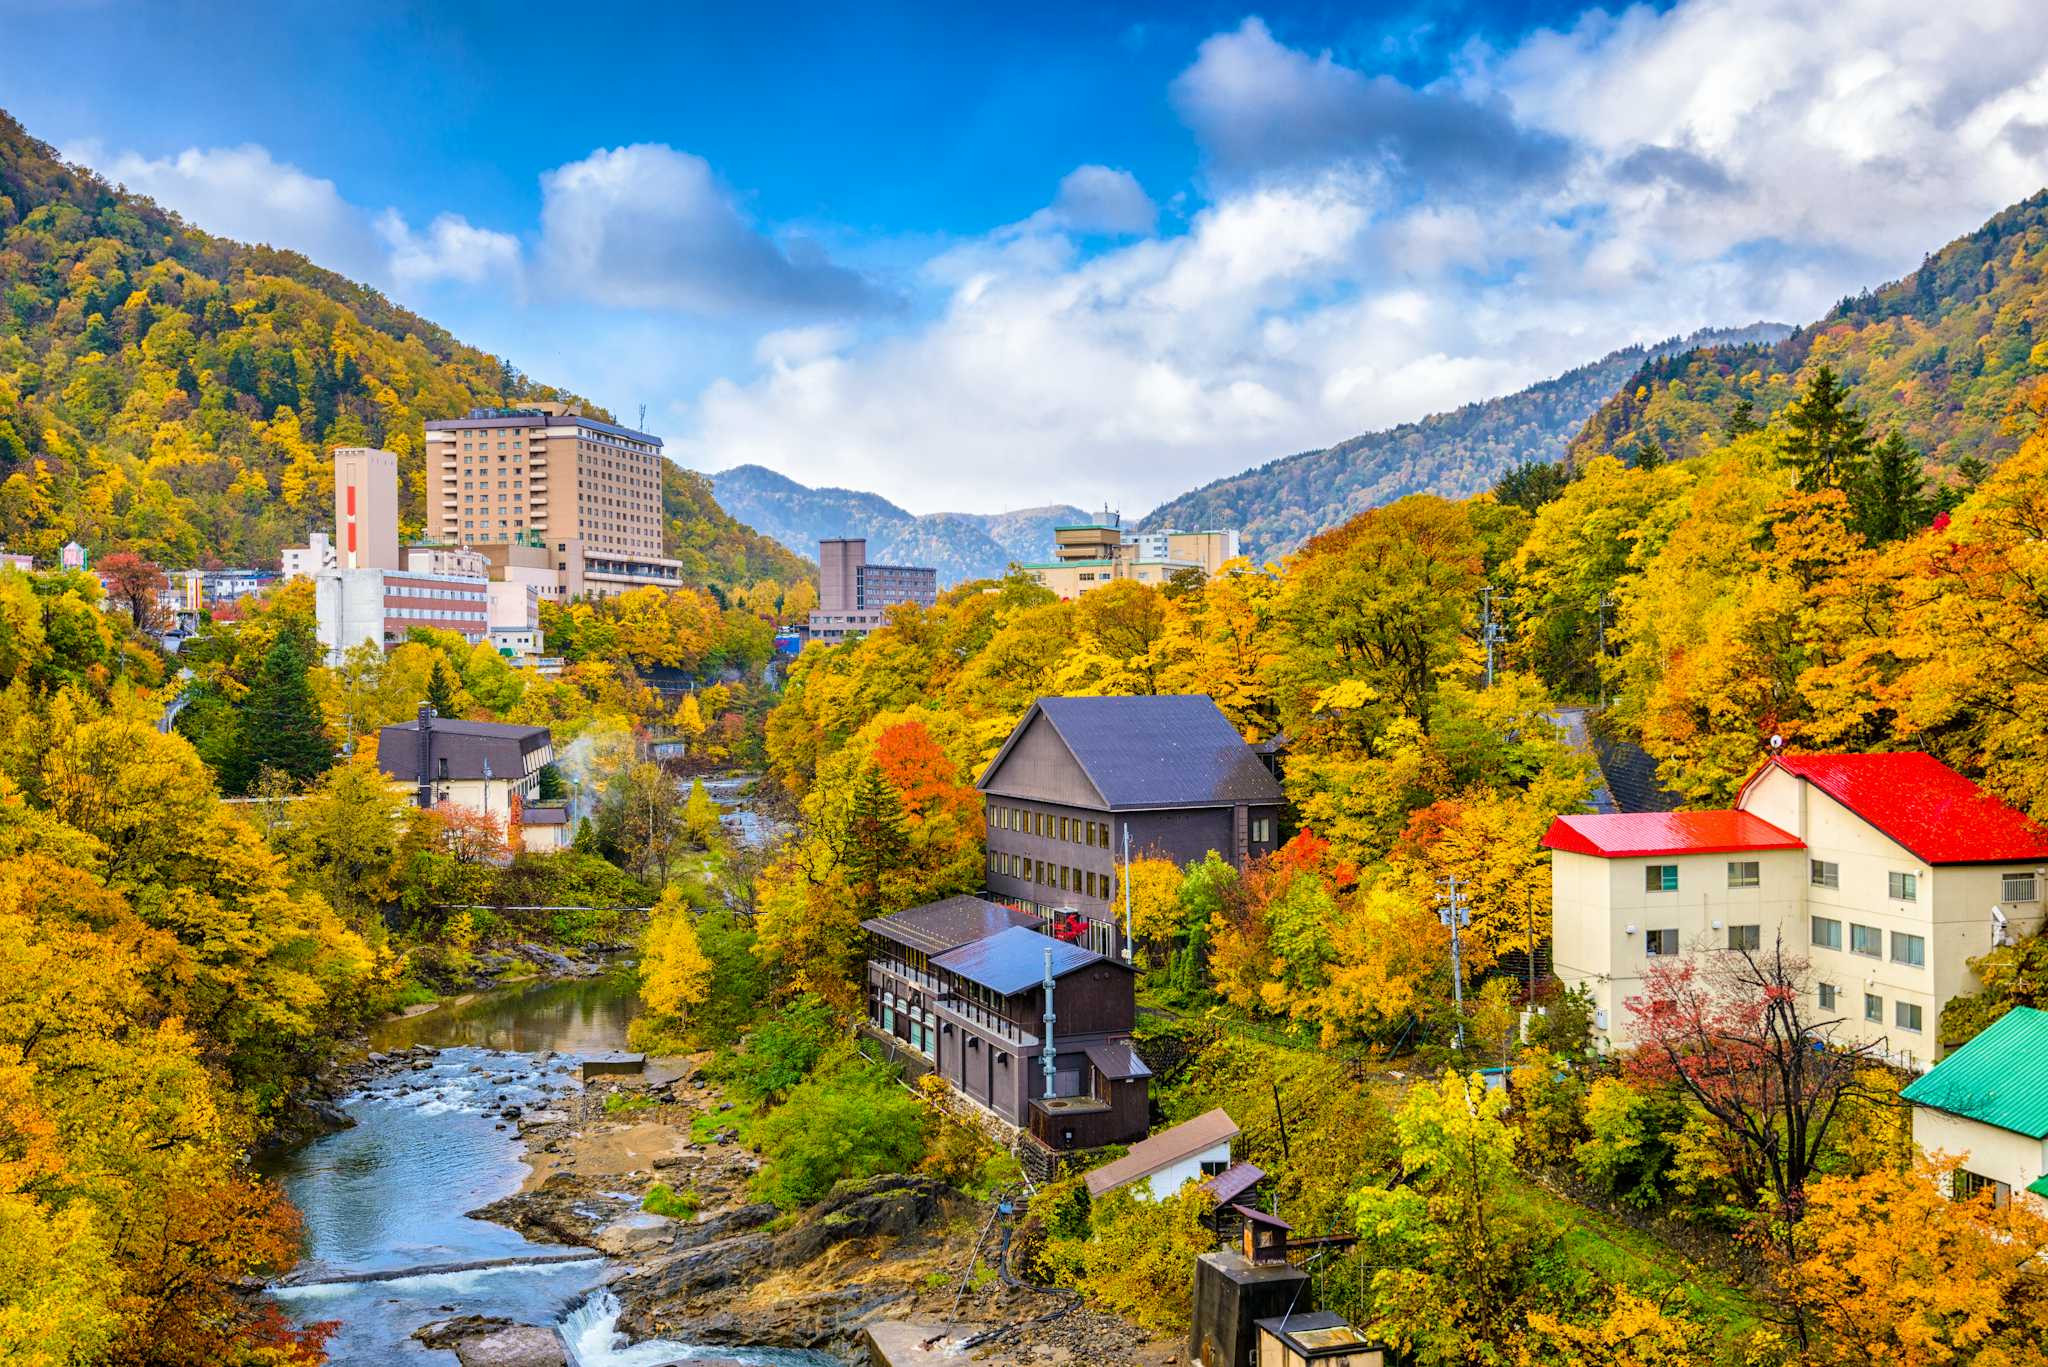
{"points": [[1171, 1178], [1986, 1150]]}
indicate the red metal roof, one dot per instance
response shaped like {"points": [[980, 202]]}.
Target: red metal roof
{"points": [[1920, 802], [1626, 835]]}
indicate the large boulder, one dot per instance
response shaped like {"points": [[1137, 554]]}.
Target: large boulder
{"points": [[489, 1341]]}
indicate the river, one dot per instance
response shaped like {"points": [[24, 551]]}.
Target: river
{"points": [[428, 1145]]}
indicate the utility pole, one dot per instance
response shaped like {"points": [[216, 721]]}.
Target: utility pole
{"points": [[1490, 630], [1600, 627], [1454, 911], [1127, 892]]}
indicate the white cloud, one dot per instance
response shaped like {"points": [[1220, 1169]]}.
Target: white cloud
{"points": [[649, 227], [246, 194], [1373, 252], [1100, 199], [452, 248]]}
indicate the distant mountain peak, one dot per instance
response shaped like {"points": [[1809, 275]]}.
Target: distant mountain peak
{"points": [[1278, 505], [961, 546]]}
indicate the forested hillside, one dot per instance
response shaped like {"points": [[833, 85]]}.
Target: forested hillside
{"points": [[1284, 502], [1951, 356], [960, 546], [175, 394]]}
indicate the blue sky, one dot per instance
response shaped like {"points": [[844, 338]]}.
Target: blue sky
{"points": [[982, 257]]}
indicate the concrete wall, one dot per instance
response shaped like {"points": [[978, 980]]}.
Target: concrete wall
{"points": [[366, 508], [1601, 939]]}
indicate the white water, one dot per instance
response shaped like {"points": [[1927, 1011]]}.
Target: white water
{"points": [[591, 1331]]}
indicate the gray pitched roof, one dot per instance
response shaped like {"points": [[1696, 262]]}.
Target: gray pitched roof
{"points": [[1012, 961], [939, 926], [466, 745], [1176, 751], [1164, 1149]]}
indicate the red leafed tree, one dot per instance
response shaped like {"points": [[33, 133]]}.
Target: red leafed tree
{"points": [[471, 836], [133, 583], [1732, 1029]]}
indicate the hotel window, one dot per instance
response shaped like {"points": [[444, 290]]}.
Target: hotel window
{"points": [[1090, 833], [1905, 887], [1824, 873], [1865, 940], [1660, 878], [1746, 937], [1828, 994], [1827, 932], [1063, 879], [2017, 887], [1743, 873], [1906, 1015], [1910, 950], [1658, 943], [1873, 1007]]}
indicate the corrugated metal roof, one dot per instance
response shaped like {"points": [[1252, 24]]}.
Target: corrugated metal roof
{"points": [[939, 926], [1175, 751], [1920, 802], [1164, 1149], [1234, 1181], [1999, 1078], [1117, 1060], [1625, 835], [1012, 961]]}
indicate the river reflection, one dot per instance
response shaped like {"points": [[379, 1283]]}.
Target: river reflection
{"points": [[584, 1016]]}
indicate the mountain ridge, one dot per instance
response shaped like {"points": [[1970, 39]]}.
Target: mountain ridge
{"points": [[1278, 505], [961, 546], [173, 393]]}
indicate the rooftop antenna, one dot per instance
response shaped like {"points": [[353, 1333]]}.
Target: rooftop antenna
{"points": [[643, 418]]}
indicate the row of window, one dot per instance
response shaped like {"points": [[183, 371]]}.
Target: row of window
{"points": [[436, 615], [1868, 941], [1072, 829], [1658, 943], [1827, 873], [1049, 875], [1905, 1015]]}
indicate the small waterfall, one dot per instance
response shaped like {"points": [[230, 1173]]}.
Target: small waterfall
{"points": [[592, 1332]]}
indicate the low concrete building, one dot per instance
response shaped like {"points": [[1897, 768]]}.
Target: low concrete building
{"points": [[1986, 1105], [1159, 1166], [1888, 873], [354, 606]]}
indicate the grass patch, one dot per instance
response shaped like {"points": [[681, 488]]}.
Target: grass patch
{"points": [[1619, 1252], [662, 1199], [626, 1103]]}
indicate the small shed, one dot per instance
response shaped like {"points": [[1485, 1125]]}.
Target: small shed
{"points": [[1189, 1152], [1317, 1338], [1987, 1104]]}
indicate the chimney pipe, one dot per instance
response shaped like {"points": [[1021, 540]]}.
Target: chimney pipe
{"points": [[425, 796]]}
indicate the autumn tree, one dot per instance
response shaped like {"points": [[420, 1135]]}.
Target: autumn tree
{"points": [[1890, 1269], [133, 583], [1731, 1030], [674, 974]]}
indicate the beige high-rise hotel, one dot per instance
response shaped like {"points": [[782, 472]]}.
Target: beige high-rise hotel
{"points": [[566, 498]]}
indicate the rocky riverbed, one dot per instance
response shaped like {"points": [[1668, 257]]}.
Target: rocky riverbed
{"points": [[892, 1248]]}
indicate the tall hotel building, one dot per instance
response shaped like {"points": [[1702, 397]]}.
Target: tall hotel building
{"points": [[571, 503]]}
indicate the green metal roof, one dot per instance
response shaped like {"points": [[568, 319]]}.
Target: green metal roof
{"points": [[2039, 1186], [1999, 1078]]}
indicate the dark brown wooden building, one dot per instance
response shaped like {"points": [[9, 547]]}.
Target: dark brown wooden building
{"points": [[1077, 773], [962, 984]]}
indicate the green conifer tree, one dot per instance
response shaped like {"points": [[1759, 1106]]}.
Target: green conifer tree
{"points": [[1891, 497], [1826, 440], [873, 838], [1741, 422], [441, 688], [282, 728], [1647, 455]]}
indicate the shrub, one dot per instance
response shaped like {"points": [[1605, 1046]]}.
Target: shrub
{"points": [[780, 1053], [1140, 1255], [1628, 1151], [849, 1119], [662, 1199]]}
